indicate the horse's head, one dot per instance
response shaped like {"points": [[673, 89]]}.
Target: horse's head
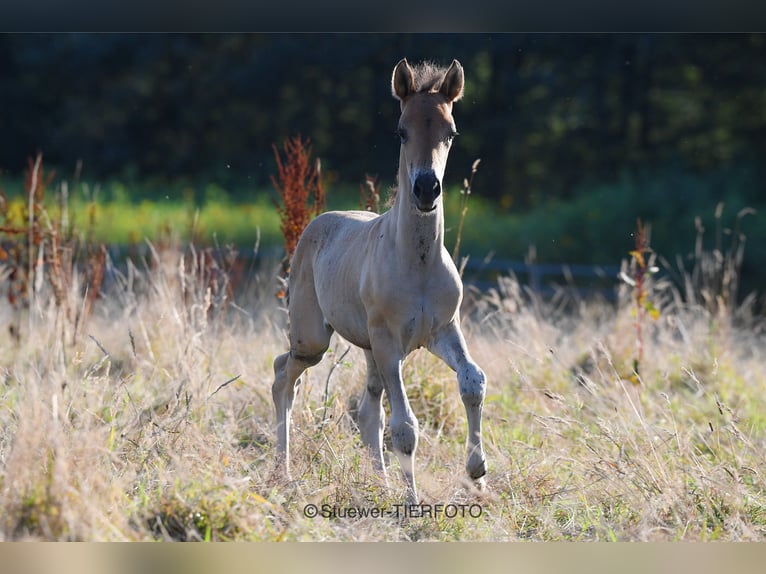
{"points": [[426, 126]]}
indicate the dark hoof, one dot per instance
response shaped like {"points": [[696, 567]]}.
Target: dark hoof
{"points": [[476, 471]]}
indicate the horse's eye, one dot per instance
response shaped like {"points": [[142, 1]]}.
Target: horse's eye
{"points": [[451, 136], [402, 133]]}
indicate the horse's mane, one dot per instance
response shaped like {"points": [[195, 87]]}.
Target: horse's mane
{"points": [[428, 76]]}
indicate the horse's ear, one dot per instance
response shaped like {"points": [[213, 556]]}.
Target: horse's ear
{"points": [[403, 80], [452, 85]]}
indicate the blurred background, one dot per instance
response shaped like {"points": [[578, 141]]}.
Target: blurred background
{"points": [[578, 135]]}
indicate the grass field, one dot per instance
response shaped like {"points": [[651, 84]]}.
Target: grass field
{"points": [[153, 420]]}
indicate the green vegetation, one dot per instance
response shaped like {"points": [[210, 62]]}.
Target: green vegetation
{"points": [[595, 227], [109, 213], [124, 223]]}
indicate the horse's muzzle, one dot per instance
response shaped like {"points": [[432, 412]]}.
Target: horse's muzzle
{"points": [[426, 189]]}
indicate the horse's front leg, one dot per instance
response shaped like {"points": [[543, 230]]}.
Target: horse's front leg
{"points": [[403, 424], [449, 345]]}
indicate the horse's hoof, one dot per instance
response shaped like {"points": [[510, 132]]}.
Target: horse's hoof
{"points": [[477, 469]]}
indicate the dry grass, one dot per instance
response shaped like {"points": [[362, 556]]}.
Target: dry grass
{"points": [[156, 423]]}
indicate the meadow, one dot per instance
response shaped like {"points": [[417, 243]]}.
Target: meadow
{"points": [[151, 418], [135, 401]]}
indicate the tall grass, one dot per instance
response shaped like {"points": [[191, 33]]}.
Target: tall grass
{"points": [[155, 422]]}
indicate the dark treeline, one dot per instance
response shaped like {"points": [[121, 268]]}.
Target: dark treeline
{"points": [[545, 113]]}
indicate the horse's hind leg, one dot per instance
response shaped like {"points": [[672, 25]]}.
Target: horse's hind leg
{"points": [[371, 416], [287, 372], [309, 339]]}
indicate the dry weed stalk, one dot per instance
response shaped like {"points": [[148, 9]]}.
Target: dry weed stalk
{"points": [[211, 275], [715, 276], [465, 192], [642, 266], [369, 194]]}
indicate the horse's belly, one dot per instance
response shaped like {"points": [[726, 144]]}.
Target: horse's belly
{"points": [[361, 340], [343, 309], [350, 324]]}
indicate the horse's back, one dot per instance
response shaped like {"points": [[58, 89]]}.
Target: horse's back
{"points": [[333, 234]]}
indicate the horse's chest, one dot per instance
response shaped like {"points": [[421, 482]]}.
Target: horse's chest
{"points": [[412, 308], [417, 328], [421, 318]]}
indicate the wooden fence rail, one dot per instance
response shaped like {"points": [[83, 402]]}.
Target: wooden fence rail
{"points": [[544, 278], [540, 278]]}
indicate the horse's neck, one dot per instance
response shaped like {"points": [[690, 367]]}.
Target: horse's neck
{"points": [[419, 237]]}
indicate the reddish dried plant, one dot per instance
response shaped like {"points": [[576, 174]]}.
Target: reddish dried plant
{"points": [[300, 188], [369, 194]]}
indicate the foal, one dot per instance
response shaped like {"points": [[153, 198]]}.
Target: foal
{"points": [[387, 284]]}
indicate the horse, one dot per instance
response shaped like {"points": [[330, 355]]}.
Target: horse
{"points": [[387, 284]]}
